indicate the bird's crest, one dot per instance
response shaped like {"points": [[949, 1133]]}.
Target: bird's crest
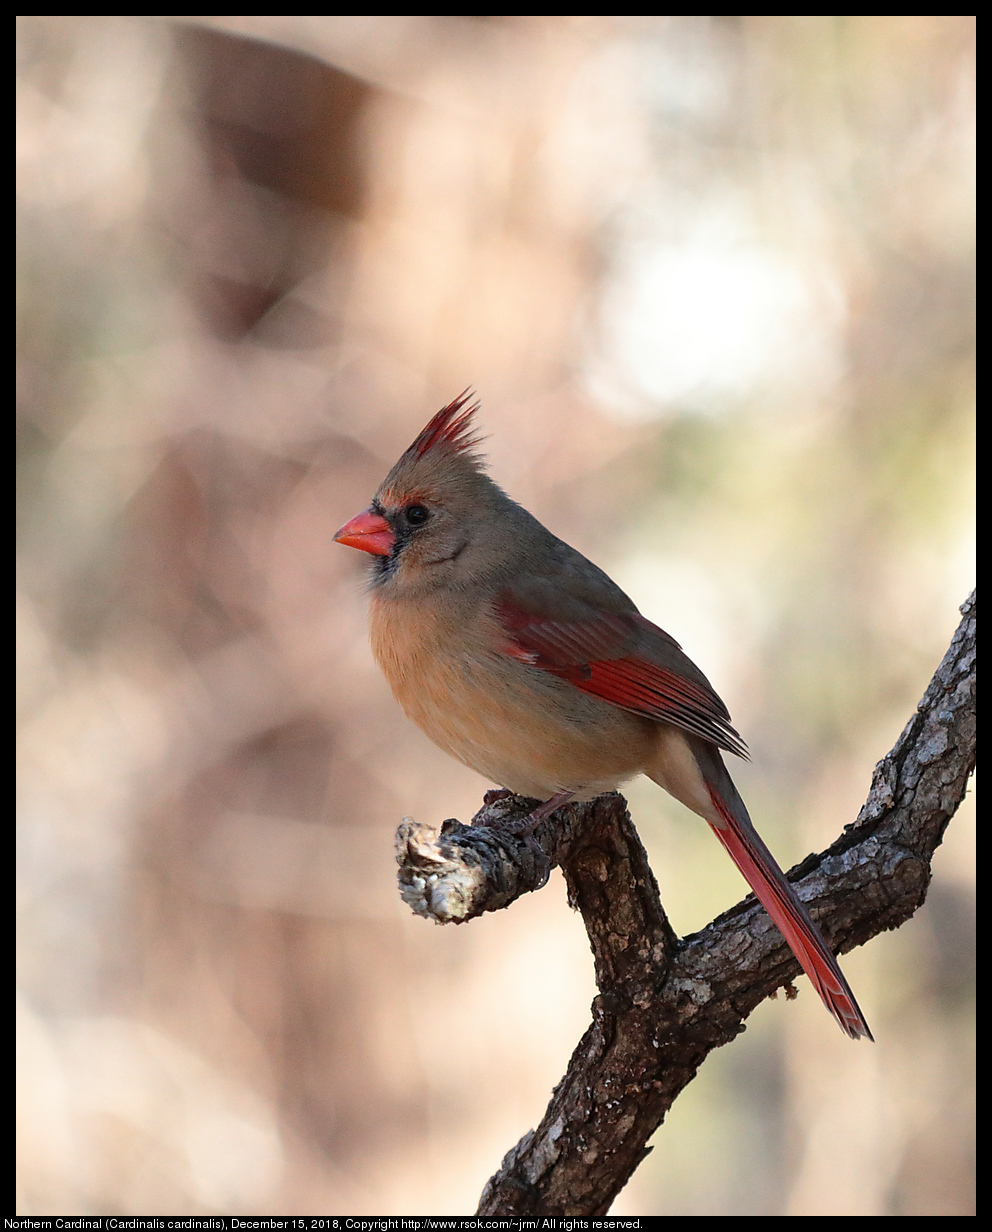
{"points": [[452, 428]]}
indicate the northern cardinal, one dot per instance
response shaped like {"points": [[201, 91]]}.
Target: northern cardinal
{"points": [[523, 660]]}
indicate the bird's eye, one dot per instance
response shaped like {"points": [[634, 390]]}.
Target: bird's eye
{"points": [[416, 515]]}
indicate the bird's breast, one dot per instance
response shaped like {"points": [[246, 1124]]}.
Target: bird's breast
{"points": [[518, 726]]}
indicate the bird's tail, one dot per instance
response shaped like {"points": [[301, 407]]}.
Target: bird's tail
{"points": [[759, 868]]}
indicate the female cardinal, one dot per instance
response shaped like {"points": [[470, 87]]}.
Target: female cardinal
{"points": [[519, 657]]}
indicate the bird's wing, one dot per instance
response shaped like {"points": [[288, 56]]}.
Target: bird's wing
{"points": [[622, 658]]}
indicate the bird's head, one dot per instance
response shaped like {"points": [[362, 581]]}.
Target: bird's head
{"points": [[436, 518]]}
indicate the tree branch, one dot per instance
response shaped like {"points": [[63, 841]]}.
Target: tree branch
{"points": [[663, 1005]]}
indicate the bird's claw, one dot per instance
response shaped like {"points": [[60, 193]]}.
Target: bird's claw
{"points": [[541, 858]]}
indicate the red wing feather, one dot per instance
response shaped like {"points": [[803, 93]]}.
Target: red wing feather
{"points": [[604, 655]]}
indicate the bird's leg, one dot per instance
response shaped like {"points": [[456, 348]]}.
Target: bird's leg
{"points": [[524, 826], [544, 811]]}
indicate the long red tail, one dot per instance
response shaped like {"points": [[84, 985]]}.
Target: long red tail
{"points": [[779, 899]]}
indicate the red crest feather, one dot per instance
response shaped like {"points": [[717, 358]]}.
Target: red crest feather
{"points": [[451, 426]]}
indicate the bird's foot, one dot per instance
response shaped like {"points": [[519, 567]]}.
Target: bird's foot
{"points": [[524, 828], [496, 793]]}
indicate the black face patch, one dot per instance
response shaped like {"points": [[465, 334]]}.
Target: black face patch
{"points": [[383, 567]]}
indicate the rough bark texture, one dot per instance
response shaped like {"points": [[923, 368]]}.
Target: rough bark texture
{"points": [[664, 1004]]}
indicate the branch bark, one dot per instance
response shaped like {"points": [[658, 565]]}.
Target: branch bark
{"points": [[664, 1004]]}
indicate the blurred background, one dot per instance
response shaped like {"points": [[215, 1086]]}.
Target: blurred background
{"points": [[712, 280]]}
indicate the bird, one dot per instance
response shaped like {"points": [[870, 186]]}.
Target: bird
{"points": [[525, 661]]}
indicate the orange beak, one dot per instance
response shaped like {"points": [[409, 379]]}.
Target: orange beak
{"points": [[368, 532]]}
